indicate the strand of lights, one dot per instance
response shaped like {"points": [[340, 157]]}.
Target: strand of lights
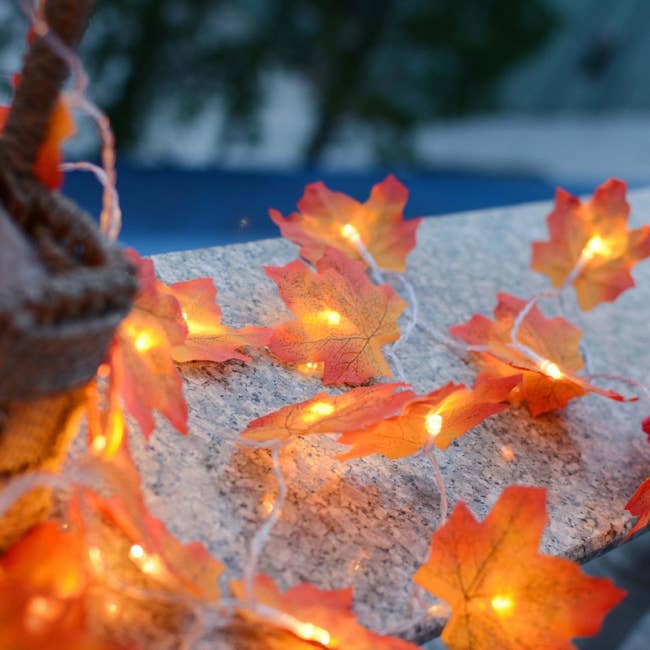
{"points": [[349, 232], [111, 214], [261, 537]]}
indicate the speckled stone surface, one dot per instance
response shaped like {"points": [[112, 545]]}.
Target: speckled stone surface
{"points": [[368, 523]]}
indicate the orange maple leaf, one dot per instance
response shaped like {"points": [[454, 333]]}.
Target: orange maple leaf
{"points": [[43, 593], [545, 386], [596, 236], [639, 506], [141, 354], [323, 216], [317, 618], [323, 413], [47, 166], [208, 339], [502, 591], [343, 319], [184, 569], [439, 417]]}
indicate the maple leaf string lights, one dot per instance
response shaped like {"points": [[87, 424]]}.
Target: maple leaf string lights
{"points": [[182, 322]]}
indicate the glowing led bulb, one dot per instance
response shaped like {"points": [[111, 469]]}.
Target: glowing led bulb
{"points": [[311, 632], [550, 369], [433, 423], [350, 233], [596, 246], [502, 604], [144, 341], [41, 611], [136, 552], [184, 315], [95, 556], [317, 411], [329, 316], [99, 444]]}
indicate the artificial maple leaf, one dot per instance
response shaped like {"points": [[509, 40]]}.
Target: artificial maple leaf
{"points": [[318, 618], [184, 569], [47, 166], [546, 386], [504, 593], [141, 354], [439, 417], [44, 582], [645, 425], [208, 339], [323, 413], [342, 318], [596, 236], [379, 222], [639, 506]]}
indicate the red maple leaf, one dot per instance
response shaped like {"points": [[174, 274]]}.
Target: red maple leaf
{"points": [[546, 385], [141, 355], [342, 319], [208, 338], [313, 618], [439, 417], [44, 589], [639, 506], [503, 592], [596, 236], [327, 218], [325, 413]]}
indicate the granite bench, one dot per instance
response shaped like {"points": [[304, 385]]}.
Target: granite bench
{"points": [[368, 523]]}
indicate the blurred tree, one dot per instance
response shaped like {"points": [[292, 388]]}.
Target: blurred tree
{"points": [[382, 64]]}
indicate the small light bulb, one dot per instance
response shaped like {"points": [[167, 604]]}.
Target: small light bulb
{"points": [[550, 369], [317, 411], [596, 246], [184, 315], [350, 233], [330, 316], [433, 423], [311, 632], [143, 341], [136, 552], [112, 608], [95, 555], [502, 604], [98, 444]]}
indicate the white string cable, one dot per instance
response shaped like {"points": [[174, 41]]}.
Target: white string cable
{"points": [[261, 537]]}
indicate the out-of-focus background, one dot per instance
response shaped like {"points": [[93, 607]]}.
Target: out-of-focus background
{"points": [[224, 108]]}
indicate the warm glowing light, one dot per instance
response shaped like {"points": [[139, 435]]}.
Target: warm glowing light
{"points": [[311, 632], [144, 341], [596, 246], [317, 411], [507, 453], [310, 367], [331, 317], [268, 502], [433, 423], [112, 608], [502, 604], [103, 371], [95, 556], [184, 315], [99, 444], [136, 552], [550, 369], [41, 611], [152, 565], [350, 233]]}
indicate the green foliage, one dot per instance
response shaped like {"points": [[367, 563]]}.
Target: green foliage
{"points": [[384, 64]]}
